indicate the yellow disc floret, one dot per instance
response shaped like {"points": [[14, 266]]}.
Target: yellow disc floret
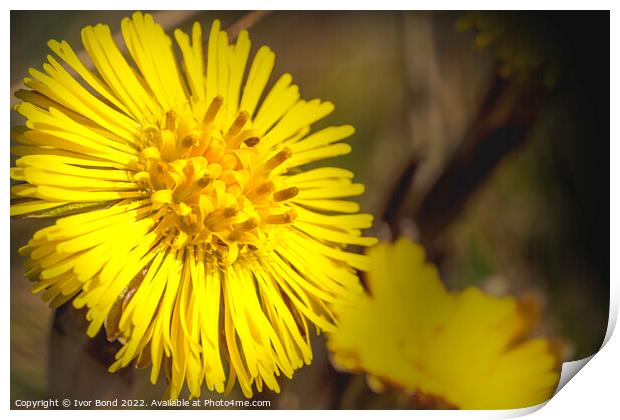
{"points": [[210, 184]]}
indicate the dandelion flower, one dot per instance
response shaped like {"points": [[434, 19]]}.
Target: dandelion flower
{"points": [[467, 349], [194, 236]]}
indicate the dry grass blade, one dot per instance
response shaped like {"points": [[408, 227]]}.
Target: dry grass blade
{"points": [[246, 22]]}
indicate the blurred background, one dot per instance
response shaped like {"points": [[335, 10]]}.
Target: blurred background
{"points": [[482, 135]]}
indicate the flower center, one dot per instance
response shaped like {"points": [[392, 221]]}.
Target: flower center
{"points": [[211, 186]]}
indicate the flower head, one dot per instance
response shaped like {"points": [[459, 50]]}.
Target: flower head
{"points": [[199, 240], [467, 349]]}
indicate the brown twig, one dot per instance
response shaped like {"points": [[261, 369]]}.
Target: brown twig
{"points": [[395, 206], [246, 22], [503, 124]]}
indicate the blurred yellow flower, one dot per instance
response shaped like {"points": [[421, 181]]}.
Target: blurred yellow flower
{"points": [[467, 349], [198, 240]]}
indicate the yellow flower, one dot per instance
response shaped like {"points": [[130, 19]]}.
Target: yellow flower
{"points": [[198, 240], [467, 349]]}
